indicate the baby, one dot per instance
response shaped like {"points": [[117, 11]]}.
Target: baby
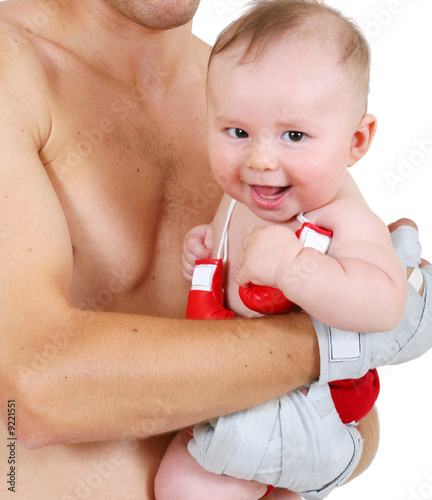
{"points": [[287, 100]]}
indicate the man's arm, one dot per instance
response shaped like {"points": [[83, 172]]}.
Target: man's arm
{"points": [[84, 375]]}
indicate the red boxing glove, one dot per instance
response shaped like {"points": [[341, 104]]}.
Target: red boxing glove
{"points": [[269, 300], [269, 490], [265, 299], [354, 399], [312, 236], [206, 296]]}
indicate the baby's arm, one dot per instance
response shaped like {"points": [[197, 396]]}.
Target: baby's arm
{"points": [[198, 244], [359, 285]]}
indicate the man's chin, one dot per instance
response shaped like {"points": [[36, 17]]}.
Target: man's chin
{"points": [[157, 15]]}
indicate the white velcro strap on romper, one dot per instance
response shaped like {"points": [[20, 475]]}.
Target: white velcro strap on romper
{"points": [[344, 346]]}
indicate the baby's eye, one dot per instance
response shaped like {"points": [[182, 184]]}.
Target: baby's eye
{"points": [[237, 133], [293, 136]]}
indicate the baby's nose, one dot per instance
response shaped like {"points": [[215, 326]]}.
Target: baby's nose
{"points": [[262, 159], [262, 153]]}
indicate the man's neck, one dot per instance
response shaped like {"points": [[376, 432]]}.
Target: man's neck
{"points": [[123, 48]]}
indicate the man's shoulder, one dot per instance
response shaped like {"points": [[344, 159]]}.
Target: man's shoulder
{"points": [[16, 48], [23, 79]]}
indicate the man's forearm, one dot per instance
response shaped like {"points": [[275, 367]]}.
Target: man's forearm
{"points": [[116, 376]]}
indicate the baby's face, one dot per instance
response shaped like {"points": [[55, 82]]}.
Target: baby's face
{"points": [[281, 128]]}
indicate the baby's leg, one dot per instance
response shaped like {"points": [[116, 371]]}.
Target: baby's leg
{"points": [[180, 477]]}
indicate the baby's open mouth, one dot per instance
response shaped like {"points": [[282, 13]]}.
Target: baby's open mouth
{"points": [[270, 192], [269, 197]]}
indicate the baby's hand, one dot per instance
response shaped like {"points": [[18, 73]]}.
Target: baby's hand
{"points": [[198, 244], [268, 251]]}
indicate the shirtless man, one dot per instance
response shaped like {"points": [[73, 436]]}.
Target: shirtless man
{"points": [[103, 171]]}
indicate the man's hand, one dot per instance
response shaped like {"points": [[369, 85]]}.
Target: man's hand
{"points": [[408, 222]]}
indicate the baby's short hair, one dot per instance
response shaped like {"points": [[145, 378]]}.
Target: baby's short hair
{"points": [[269, 21]]}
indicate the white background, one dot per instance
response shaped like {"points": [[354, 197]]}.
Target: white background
{"points": [[396, 179]]}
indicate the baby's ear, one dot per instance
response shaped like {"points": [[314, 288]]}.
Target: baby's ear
{"points": [[362, 138]]}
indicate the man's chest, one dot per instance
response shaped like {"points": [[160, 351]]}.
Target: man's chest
{"points": [[132, 180]]}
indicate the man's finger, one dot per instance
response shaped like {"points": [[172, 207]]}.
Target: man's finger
{"points": [[402, 222]]}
